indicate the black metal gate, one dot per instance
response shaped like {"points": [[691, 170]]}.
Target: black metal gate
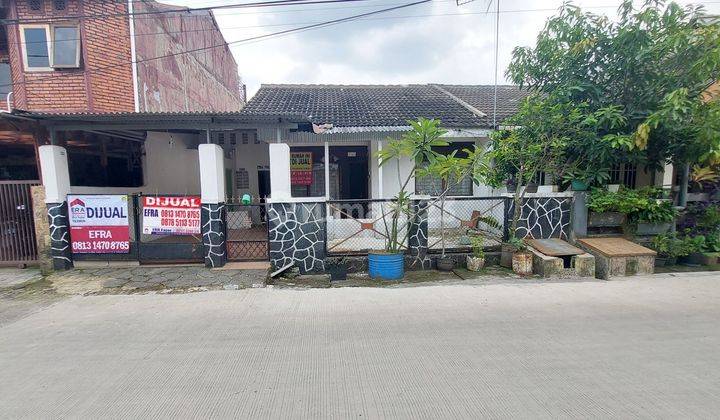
{"points": [[17, 229], [246, 233]]}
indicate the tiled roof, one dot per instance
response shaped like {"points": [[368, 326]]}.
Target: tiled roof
{"points": [[386, 105]]}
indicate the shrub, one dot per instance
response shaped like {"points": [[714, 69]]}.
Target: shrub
{"points": [[642, 205]]}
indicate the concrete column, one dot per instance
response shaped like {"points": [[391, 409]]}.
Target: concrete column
{"points": [[280, 172], [212, 213], [579, 215], [327, 170], [56, 180], [418, 235]]}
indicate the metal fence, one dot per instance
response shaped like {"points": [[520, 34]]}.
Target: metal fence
{"points": [[455, 221], [17, 229], [246, 232], [165, 248], [359, 226]]}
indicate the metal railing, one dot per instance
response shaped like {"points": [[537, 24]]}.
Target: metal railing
{"points": [[454, 222], [246, 232], [359, 226]]}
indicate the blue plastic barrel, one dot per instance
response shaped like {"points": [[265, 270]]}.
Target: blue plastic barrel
{"points": [[386, 266]]}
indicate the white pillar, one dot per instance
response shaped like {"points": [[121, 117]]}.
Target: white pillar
{"points": [[380, 171], [327, 170], [279, 172], [55, 174], [212, 174], [667, 177]]}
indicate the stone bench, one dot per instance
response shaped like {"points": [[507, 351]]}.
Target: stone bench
{"points": [[619, 257]]}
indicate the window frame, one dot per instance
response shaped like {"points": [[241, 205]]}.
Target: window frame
{"points": [[50, 42], [78, 44], [24, 51]]}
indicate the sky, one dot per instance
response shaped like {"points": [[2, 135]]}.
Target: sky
{"points": [[436, 42]]}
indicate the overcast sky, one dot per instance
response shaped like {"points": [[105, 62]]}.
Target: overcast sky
{"points": [[435, 42]]}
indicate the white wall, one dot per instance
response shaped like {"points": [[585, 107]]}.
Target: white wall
{"points": [[169, 167], [390, 183], [249, 157]]}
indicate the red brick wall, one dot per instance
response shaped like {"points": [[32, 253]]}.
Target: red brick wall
{"points": [[105, 42], [202, 81], [206, 80]]}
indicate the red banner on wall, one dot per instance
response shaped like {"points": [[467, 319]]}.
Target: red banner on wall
{"points": [[301, 168], [171, 215]]}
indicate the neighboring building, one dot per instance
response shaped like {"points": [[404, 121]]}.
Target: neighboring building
{"points": [[80, 56]]}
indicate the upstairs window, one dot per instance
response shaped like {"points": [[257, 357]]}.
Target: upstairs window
{"points": [[48, 47], [66, 46]]}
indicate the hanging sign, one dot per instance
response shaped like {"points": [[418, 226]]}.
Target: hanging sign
{"points": [[99, 224], [171, 215], [301, 168]]}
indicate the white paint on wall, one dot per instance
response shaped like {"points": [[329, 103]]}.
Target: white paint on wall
{"points": [[280, 171], [55, 173], [171, 164], [212, 173], [249, 157]]}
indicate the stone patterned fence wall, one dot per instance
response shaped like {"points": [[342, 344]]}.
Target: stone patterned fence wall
{"points": [[542, 217], [298, 231], [296, 236]]}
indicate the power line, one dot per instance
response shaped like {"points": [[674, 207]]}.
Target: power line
{"points": [[270, 3], [224, 44]]}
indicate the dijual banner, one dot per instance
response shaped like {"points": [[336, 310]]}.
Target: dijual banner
{"points": [[171, 215], [301, 168], [99, 224]]}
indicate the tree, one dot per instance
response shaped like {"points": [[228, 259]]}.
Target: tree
{"points": [[649, 68]]}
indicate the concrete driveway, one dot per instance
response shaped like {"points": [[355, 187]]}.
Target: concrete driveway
{"points": [[645, 347]]}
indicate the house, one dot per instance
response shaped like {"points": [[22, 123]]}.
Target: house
{"points": [[98, 57], [347, 124]]}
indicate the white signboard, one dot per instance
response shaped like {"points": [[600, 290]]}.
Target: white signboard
{"points": [[99, 224]]}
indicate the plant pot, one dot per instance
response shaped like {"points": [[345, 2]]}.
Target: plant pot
{"points": [[696, 258], [605, 219], [474, 263], [338, 272], [660, 261], [613, 187], [579, 185], [445, 264], [506, 253], [386, 266], [522, 263], [645, 229]]}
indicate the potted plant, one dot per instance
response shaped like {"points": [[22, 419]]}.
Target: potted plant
{"points": [[521, 258], [450, 169], [656, 217], [476, 261], [338, 269], [415, 145]]}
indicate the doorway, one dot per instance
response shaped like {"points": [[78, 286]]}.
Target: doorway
{"points": [[353, 171]]}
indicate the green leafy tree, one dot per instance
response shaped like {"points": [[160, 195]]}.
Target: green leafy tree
{"points": [[644, 73]]}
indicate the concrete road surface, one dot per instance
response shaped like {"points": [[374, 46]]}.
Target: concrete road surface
{"points": [[647, 347]]}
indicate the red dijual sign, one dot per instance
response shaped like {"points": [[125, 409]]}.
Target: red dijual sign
{"points": [[99, 224], [171, 215]]}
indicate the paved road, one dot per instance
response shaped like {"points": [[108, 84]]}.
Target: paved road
{"points": [[646, 347]]}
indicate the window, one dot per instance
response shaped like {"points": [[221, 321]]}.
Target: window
{"points": [[36, 5], [624, 174], [5, 81], [48, 47], [430, 185], [66, 47], [60, 4], [37, 51]]}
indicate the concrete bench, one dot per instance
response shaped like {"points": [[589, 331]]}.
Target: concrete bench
{"points": [[619, 257]]}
